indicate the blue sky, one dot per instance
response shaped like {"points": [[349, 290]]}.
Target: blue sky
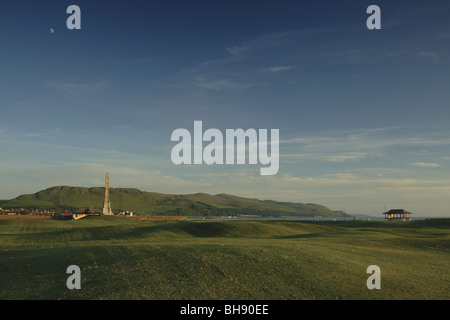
{"points": [[363, 115]]}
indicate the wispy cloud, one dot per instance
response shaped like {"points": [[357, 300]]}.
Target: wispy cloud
{"points": [[361, 140], [350, 156], [236, 49], [276, 69], [425, 164], [220, 84], [70, 86], [329, 157], [426, 55]]}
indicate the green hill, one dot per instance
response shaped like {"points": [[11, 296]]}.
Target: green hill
{"points": [[152, 203]]}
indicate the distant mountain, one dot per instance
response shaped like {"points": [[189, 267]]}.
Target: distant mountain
{"points": [[152, 203]]}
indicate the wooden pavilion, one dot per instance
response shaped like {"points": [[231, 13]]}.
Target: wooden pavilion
{"points": [[395, 214]]}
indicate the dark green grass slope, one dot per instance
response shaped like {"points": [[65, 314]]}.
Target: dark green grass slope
{"points": [[152, 203], [125, 259]]}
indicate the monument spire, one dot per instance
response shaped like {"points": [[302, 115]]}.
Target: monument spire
{"points": [[106, 203]]}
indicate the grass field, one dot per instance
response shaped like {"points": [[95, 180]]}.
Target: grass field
{"points": [[121, 258]]}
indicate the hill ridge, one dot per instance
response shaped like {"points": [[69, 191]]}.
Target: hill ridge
{"points": [[155, 203]]}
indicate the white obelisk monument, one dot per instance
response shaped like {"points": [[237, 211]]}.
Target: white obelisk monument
{"points": [[106, 203]]}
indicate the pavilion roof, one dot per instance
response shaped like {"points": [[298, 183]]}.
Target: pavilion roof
{"points": [[397, 211]]}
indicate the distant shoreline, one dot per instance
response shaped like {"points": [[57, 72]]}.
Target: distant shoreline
{"points": [[160, 218], [315, 219]]}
